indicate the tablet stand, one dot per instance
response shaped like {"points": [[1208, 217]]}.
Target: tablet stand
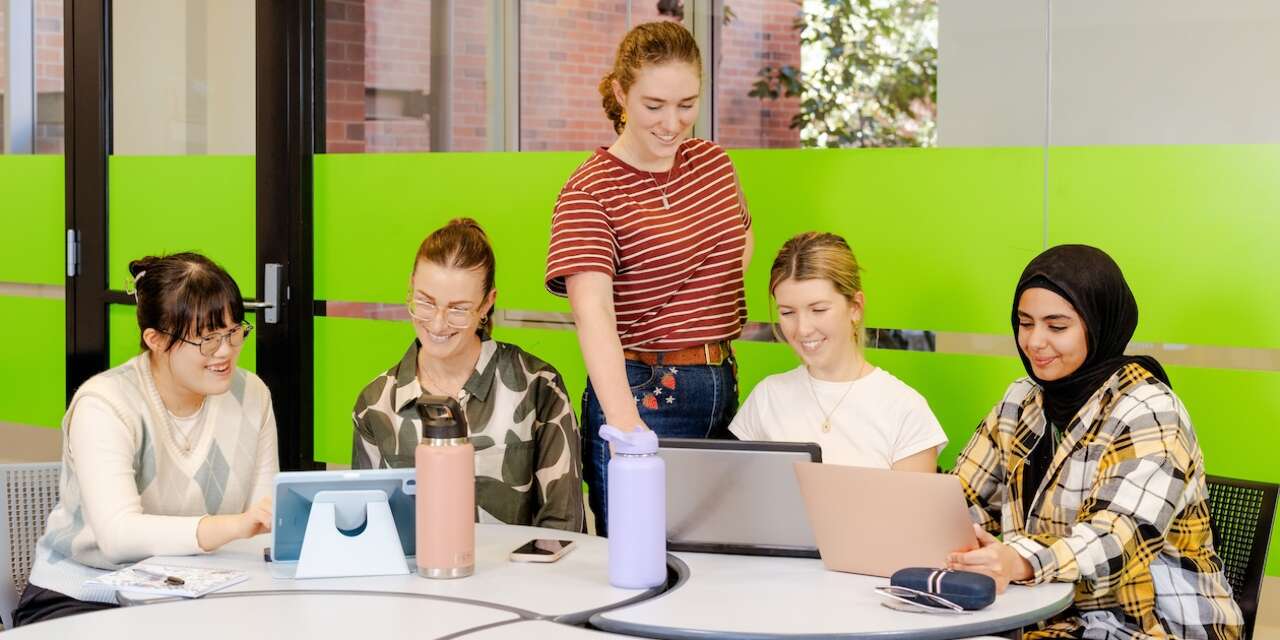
{"points": [[350, 533]]}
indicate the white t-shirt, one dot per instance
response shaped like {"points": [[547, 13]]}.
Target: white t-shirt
{"points": [[881, 421]]}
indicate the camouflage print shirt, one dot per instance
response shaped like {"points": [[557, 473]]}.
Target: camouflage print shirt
{"points": [[528, 462]]}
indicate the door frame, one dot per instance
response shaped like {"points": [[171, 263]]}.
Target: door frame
{"points": [[288, 129]]}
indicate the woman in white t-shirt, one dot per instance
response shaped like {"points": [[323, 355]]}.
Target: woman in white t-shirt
{"points": [[858, 413]]}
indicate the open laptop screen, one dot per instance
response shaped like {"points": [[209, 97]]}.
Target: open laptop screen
{"points": [[729, 496]]}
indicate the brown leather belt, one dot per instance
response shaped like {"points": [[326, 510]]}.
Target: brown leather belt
{"points": [[712, 353]]}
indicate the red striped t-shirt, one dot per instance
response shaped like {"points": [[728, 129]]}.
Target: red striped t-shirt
{"points": [[671, 242]]}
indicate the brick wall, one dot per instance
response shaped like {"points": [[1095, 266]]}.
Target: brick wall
{"points": [[48, 73], [50, 134], [566, 47], [759, 35], [344, 70], [469, 91], [383, 47], [398, 48]]}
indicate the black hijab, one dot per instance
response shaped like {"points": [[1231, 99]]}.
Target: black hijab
{"points": [[1092, 282]]}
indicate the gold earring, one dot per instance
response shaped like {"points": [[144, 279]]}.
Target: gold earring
{"points": [[623, 118]]}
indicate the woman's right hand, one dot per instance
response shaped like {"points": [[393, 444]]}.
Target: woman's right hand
{"points": [[632, 425], [215, 531]]}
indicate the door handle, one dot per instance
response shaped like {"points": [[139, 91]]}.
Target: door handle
{"points": [[271, 276]]}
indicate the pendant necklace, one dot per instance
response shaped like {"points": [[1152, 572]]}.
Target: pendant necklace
{"points": [[826, 415], [662, 190]]}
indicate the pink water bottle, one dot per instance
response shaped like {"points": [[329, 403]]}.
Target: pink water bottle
{"points": [[446, 484]]}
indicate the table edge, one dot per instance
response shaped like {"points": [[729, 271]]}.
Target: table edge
{"points": [[603, 623]]}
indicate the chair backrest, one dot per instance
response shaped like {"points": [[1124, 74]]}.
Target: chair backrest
{"points": [[28, 492], [1241, 516]]}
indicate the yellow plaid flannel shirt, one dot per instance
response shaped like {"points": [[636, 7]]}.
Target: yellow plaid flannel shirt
{"points": [[1122, 511]]}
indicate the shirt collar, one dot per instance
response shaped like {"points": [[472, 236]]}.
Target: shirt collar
{"points": [[478, 385]]}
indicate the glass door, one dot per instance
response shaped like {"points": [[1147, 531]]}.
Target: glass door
{"points": [[167, 155]]}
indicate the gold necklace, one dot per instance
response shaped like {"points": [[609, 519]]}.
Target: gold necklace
{"points": [[441, 388], [663, 191], [422, 367], [826, 415], [186, 440]]}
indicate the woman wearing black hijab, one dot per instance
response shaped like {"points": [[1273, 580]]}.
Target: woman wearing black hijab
{"points": [[1090, 470]]}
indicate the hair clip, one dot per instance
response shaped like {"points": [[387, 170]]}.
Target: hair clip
{"points": [[133, 286]]}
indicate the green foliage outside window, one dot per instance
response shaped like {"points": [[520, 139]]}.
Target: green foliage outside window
{"points": [[868, 73]]}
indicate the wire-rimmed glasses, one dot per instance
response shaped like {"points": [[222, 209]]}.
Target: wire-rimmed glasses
{"points": [[425, 311], [209, 345], [907, 599]]}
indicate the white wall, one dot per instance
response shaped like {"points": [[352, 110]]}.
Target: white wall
{"points": [[183, 77], [1122, 72]]}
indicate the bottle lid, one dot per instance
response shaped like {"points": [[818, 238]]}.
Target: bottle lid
{"points": [[442, 418], [639, 441]]}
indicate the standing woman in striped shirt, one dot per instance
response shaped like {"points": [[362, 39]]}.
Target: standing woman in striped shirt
{"points": [[649, 241]]}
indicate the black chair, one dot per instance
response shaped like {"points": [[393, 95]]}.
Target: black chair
{"points": [[1241, 514]]}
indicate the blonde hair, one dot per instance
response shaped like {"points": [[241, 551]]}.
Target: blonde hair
{"points": [[651, 43], [817, 255]]}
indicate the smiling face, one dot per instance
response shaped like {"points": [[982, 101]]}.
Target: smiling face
{"points": [[1051, 334], [450, 303], [661, 107], [190, 372], [818, 322]]}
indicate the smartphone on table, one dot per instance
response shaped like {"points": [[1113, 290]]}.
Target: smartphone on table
{"points": [[541, 550]]}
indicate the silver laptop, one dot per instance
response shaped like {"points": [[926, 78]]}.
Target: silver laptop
{"points": [[729, 496]]}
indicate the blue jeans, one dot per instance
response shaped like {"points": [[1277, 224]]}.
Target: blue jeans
{"points": [[676, 402]]}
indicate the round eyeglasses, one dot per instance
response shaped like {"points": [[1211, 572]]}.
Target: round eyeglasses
{"points": [[426, 312], [209, 345], [908, 599]]}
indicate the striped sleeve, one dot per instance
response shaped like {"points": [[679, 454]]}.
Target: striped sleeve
{"points": [[582, 240]]}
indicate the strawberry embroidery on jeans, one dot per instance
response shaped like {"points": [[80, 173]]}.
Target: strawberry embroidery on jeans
{"points": [[668, 380], [649, 401]]}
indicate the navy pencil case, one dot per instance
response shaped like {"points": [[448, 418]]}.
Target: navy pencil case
{"points": [[942, 588]]}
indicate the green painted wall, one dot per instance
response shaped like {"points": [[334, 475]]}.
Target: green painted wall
{"points": [[31, 234], [167, 204], [372, 211], [1194, 228], [942, 234], [32, 361]]}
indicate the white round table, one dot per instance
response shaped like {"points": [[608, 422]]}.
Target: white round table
{"points": [[539, 629], [570, 590], [301, 615], [725, 596]]}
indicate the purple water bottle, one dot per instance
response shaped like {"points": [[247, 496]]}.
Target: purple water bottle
{"points": [[637, 509]]}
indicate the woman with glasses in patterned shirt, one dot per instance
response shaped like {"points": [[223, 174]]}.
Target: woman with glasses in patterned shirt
{"points": [[528, 469], [171, 453], [1090, 470]]}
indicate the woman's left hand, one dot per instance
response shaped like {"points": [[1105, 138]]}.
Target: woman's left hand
{"points": [[992, 558]]}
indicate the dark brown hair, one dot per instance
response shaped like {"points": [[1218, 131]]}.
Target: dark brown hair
{"points": [[184, 294], [815, 255], [462, 244], [651, 43]]}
